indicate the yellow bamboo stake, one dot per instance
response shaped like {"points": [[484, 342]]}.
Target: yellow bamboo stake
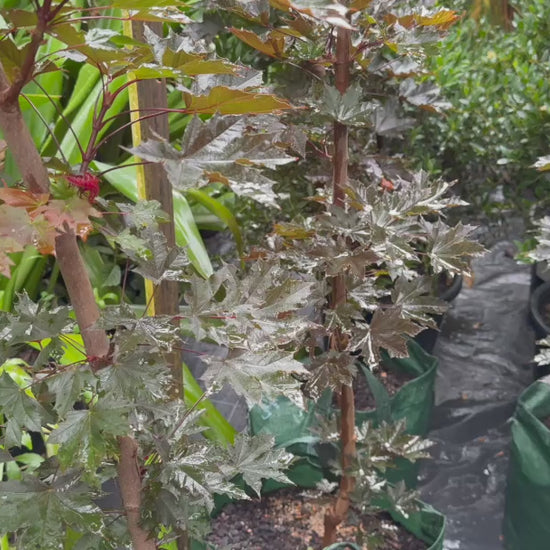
{"points": [[152, 183]]}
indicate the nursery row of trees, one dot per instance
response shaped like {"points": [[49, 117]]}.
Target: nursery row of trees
{"points": [[124, 125]]}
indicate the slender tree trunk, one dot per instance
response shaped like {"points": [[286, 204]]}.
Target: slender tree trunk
{"points": [[153, 184], [338, 512], [71, 265]]}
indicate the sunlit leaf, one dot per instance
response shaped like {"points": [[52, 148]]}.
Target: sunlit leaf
{"points": [[450, 248], [256, 458], [226, 101], [388, 330], [255, 376], [223, 147], [415, 297], [273, 46], [542, 164]]}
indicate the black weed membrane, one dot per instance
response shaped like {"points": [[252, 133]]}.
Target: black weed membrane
{"points": [[485, 353]]}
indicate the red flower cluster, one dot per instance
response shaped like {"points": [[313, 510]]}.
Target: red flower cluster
{"points": [[87, 183]]}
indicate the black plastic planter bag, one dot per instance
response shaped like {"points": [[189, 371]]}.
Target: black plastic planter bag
{"points": [[527, 513], [412, 403]]}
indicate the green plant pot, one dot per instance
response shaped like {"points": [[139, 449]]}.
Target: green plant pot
{"points": [[526, 524], [291, 426], [413, 403], [427, 524]]}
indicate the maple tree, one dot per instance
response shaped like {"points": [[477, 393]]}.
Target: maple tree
{"points": [[381, 236]]}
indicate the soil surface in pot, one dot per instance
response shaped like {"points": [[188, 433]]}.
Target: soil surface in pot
{"points": [[393, 381], [290, 520]]}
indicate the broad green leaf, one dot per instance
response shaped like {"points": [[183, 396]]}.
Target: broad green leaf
{"points": [[187, 234], [72, 346], [28, 265], [21, 409], [220, 429], [52, 83], [222, 212], [88, 436], [381, 396], [83, 106], [16, 368], [40, 511]]}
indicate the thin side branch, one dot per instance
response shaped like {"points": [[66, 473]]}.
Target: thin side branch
{"points": [[19, 140], [80, 290]]}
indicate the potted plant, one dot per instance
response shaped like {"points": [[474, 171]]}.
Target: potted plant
{"points": [[359, 246]]}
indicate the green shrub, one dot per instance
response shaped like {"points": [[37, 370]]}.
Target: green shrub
{"points": [[498, 85]]}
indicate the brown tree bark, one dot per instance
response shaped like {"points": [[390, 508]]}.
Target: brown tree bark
{"points": [[338, 512]]}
